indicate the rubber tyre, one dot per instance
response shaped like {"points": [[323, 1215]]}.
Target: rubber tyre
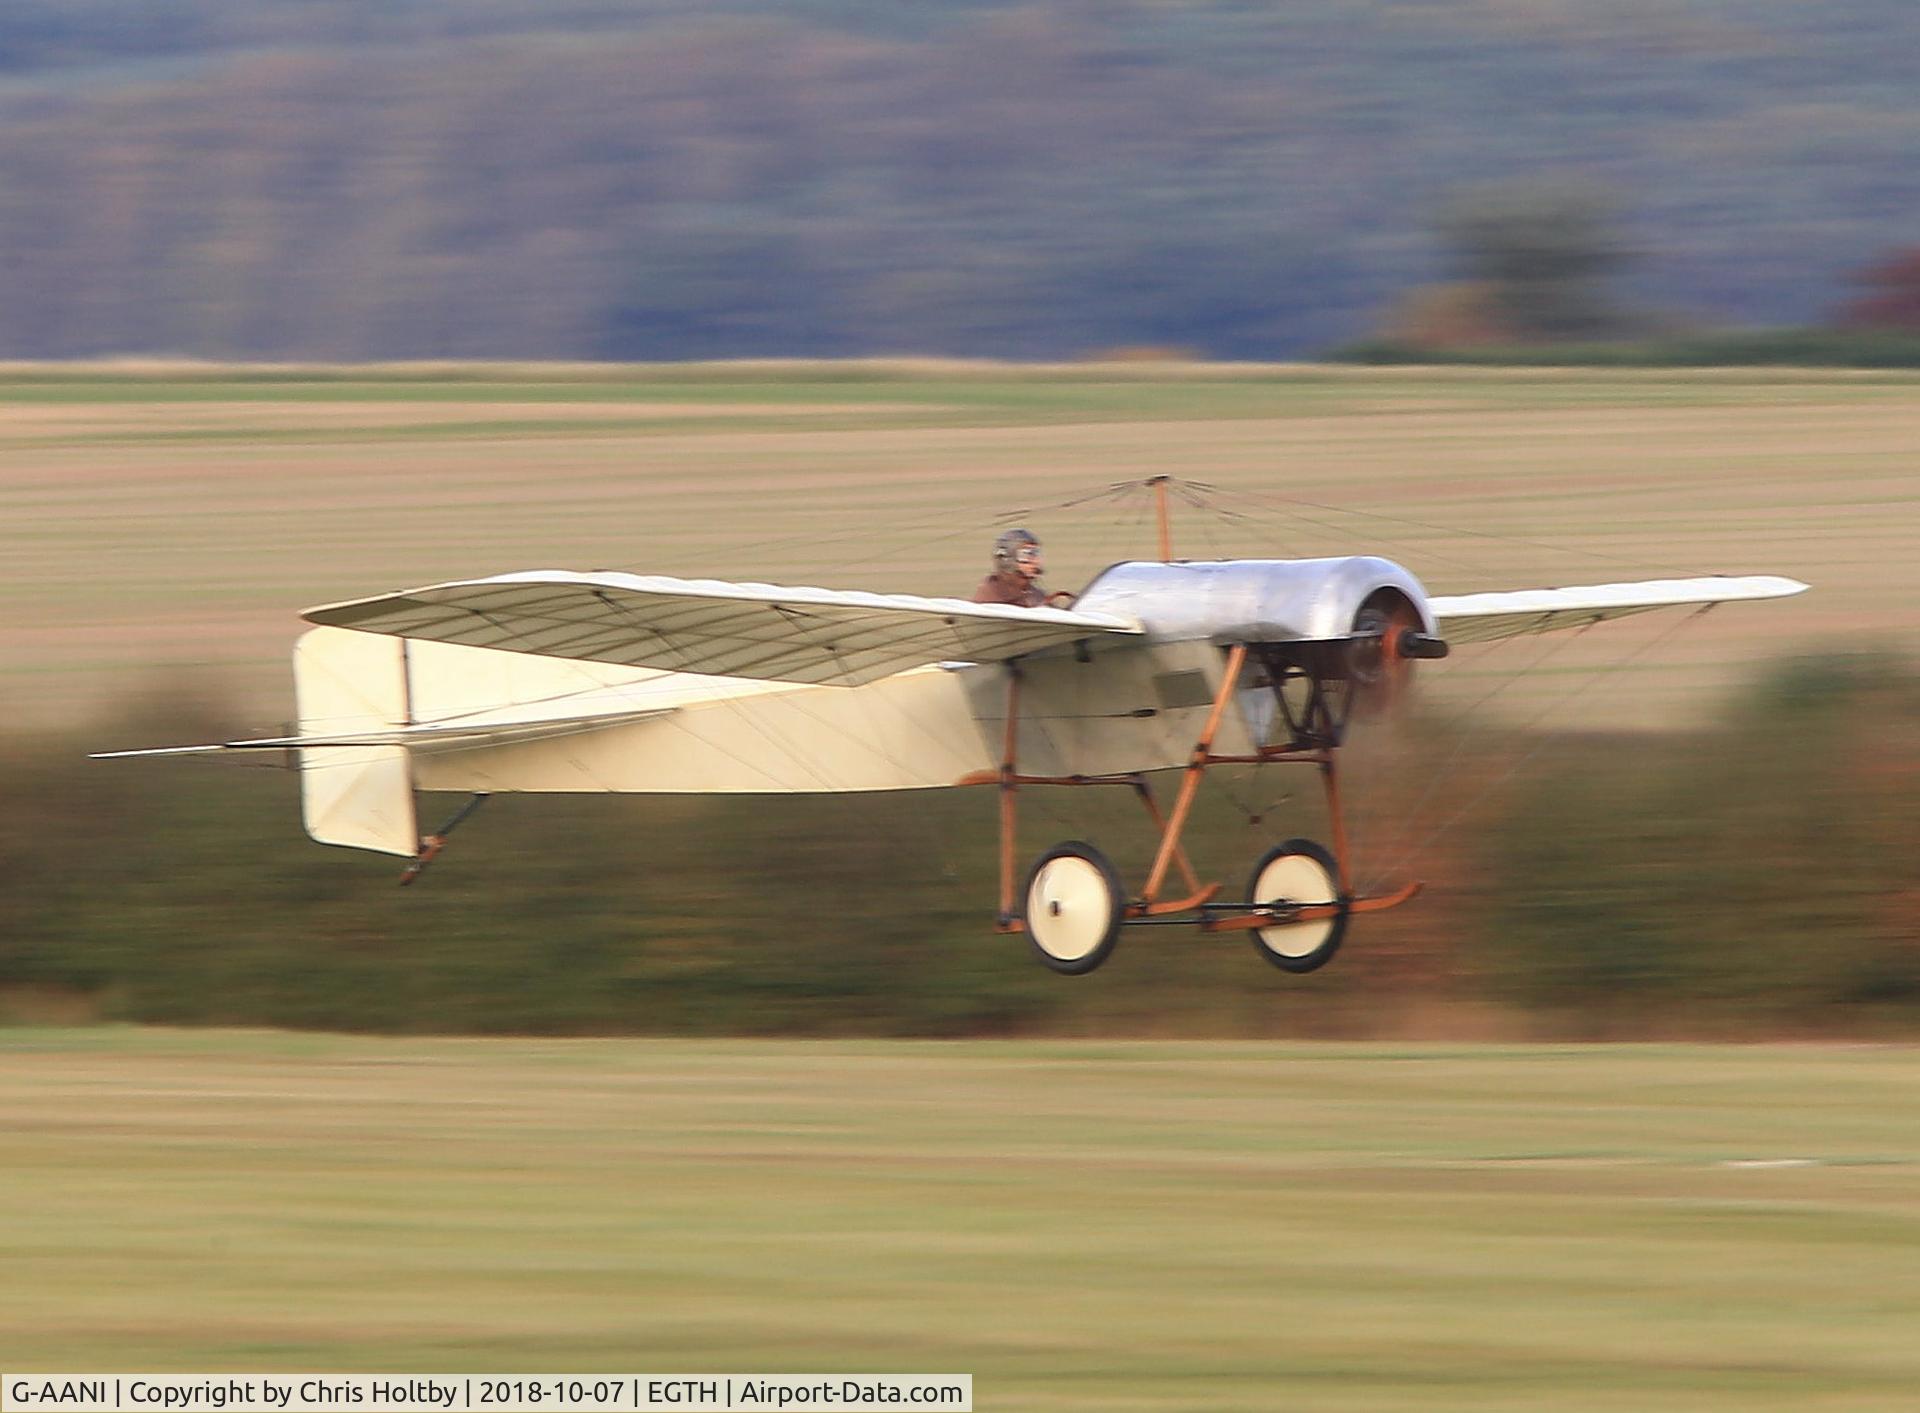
{"points": [[1072, 907], [1289, 870]]}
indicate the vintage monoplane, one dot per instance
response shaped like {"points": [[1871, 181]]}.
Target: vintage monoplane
{"points": [[551, 680]]}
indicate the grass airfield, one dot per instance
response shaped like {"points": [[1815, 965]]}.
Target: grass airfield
{"points": [[1097, 1226]]}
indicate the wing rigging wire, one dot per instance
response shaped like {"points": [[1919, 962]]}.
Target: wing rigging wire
{"points": [[1372, 825], [1207, 498], [1259, 514], [1126, 520], [1409, 855], [861, 531], [1279, 501], [1389, 826], [980, 518]]}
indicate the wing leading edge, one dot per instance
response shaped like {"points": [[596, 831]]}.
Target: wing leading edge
{"points": [[833, 637], [1484, 618]]}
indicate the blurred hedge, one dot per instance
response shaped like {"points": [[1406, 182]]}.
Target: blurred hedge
{"points": [[1762, 875], [1754, 348], [1755, 878]]}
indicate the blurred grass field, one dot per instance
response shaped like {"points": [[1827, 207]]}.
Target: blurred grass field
{"points": [[1081, 1226], [174, 518]]}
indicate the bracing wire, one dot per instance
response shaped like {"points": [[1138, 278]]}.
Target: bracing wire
{"points": [[979, 516], [1209, 499], [1408, 855], [1287, 501], [1294, 517], [1469, 724]]}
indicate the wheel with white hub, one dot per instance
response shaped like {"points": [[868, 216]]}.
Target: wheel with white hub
{"points": [[1073, 908], [1302, 873]]}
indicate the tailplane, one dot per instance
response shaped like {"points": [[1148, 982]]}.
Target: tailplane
{"points": [[357, 733]]}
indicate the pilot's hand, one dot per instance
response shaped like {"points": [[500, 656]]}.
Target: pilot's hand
{"points": [[1059, 598]]}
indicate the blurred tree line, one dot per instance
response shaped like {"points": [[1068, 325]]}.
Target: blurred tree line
{"points": [[1752, 879], [692, 178], [1538, 265]]}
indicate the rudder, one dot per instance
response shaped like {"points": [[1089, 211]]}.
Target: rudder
{"points": [[360, 797]]}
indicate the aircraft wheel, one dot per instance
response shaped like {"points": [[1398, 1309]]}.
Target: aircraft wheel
{"points": [[1298, 871], [1073, 908]]}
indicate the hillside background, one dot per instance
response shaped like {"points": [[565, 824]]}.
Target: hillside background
{"points": [[346, 179]]}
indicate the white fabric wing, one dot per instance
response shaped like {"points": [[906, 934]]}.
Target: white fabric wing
{"points": [[1483, 618], [828, 636]]}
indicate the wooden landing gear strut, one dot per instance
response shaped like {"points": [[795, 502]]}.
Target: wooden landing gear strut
{"points": [[1300, 896]]}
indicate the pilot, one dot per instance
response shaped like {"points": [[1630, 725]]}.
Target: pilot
{"points": [[1017, 567]]}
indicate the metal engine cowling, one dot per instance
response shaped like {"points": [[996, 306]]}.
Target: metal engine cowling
{"points": [[1357, 619]]}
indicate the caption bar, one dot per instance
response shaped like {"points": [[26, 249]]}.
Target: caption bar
{"points": [[480, 1393]]}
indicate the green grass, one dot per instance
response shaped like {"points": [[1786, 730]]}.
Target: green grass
{"points": [[1081, 1226]]}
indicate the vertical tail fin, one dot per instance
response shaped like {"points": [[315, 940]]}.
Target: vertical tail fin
{"points": [[357, 796]]}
